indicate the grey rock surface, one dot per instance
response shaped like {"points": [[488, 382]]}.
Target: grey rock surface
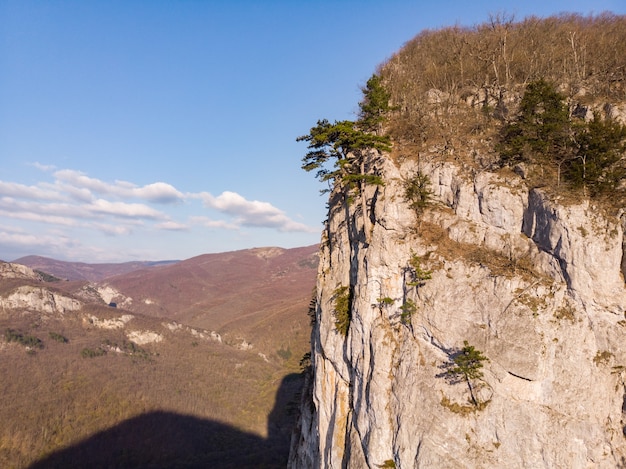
{"points": [[534, 283]]}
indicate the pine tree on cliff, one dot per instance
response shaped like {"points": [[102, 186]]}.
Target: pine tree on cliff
{"points": [[466, 366], [338, 151], [544, 133]]}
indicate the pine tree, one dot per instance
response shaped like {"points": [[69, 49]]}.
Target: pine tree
{"points": [[599, 164], [467, 364], [542, 132], [339, 151]]}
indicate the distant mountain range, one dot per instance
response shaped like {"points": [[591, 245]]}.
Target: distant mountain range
{"points": [[84, 271]]}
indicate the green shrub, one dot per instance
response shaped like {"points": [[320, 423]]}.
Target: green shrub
{"points": [[598, 164], [312, 311], [132, 349], [92, 353], [47, 277], [407, 310], [31, 341], [305, 362], [417, 192], [587, 154], [417, 272], [386, 301], [542, 129], [58, 337], [285, 354], [465, 366], [343, 305]]}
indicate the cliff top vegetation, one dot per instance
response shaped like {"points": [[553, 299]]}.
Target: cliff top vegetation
{"points": [[580, 52], [459, 93]]}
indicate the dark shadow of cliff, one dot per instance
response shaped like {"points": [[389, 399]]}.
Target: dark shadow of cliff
{"points": [[164, 439]]}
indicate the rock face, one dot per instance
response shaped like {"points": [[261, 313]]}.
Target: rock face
{"points": [[39, 299], [33, 297], [535, 284], [10, 270]]}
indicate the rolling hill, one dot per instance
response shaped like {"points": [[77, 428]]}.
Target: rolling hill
{"points": [[254, 295], [83, 271], [207, 367]]}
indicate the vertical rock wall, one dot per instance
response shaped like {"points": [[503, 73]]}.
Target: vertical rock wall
{"points": [[533, 283]]}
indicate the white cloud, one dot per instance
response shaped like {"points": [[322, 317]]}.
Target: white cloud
{"points": [[20, 207], [42, 167], [79, 194], [122, 209], [15, 245], [252, 213], [73, 215], [209, 223], [23, 243], [113, 229], [28, 240], [172, 226], [158, 192], [20, 239], [12, 189], [78, 179], [36, 217]]}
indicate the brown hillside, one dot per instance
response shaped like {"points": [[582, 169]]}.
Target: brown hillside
{"points": [[83, 271], [203, 364], [80, 397], [102, 386], [257, 295]]}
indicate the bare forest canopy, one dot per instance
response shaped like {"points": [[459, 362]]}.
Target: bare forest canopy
{"points": [[585, 54]]}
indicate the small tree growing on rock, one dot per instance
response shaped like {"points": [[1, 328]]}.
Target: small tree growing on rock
{"points": [[417, 192], [343, 305], [599, 163], [465, 366], [419, 274], [542, 133]]}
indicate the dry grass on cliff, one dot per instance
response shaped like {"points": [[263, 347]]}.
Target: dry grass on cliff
{"points": [[498, 264]]}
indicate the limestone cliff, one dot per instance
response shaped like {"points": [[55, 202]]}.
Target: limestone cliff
{"points": [[534, 282], [33, 295]]}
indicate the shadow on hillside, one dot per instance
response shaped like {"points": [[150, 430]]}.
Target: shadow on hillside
{"points": [[168, 440]]}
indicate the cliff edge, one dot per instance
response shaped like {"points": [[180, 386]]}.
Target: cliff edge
{"points": [[535, 283]]}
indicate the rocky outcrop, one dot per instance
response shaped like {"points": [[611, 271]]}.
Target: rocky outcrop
{"points": [[110, 294], [535, 283], [10, 270], [39, 299], [33, 297], [107, 323]]}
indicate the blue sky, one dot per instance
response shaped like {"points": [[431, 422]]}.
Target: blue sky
{"points": [[149, 130]]}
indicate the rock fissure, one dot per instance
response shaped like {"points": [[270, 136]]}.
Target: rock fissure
{"points": [[519, 376]]}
